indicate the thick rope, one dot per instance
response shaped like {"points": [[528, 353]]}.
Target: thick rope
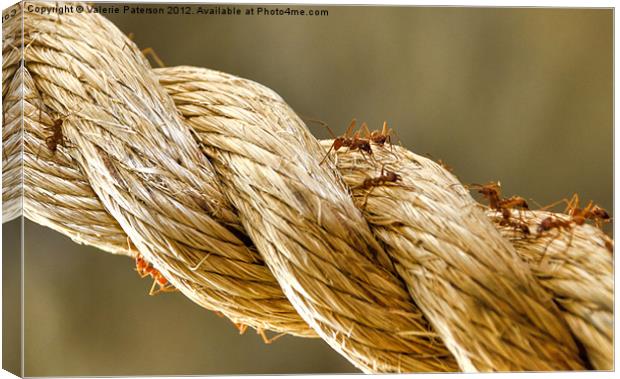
{"points": [[187, 190], [576, 266]]}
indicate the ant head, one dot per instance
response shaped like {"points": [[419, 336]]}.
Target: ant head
{"points": [[600, 212], [545, 225], [488, 191]]}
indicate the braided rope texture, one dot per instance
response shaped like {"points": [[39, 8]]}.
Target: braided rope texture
{"points": [[577, 268], [217, 183]]}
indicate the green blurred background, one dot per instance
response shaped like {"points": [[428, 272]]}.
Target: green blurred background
{"points": [[523, 96]]}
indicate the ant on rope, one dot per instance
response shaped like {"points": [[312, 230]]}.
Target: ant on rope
{"points": [[352, 142], [590, 212], [57, 137], [550, 223], [145, 269], [578, 216], [380, 137], [385, 177], [242, 328], [492, 192]]}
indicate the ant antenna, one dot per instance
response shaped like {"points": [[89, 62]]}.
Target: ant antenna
{"points": [[322, 123]]}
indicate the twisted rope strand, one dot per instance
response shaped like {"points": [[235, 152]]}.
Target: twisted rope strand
{"points": [[304, 223], [463, 275], [165, 201]]}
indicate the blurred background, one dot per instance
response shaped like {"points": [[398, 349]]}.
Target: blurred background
{"points": [[523, 96]]}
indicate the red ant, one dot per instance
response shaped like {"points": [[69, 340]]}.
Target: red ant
{"points": [[242, 328], [492, 192], [376, 136], [590, 212], [550, 223], [385, 177], [145, 269], [513, 202], [379, 137], [517, 225], [580, 215], [506, 205], [57, 137], [352, 143]]}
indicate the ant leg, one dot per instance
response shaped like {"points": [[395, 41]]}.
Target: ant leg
{"points": [[400, 142], [168, 288], [535, 203], [570, 240], [385, 131], [382, 173], [554, 204], [38, 153], [142, 273], [364, 130], [154, 291], [350, 128], [241, 328], [165, 288], [149, 51], [389, 140], [266, 339], [572, 205], [544, 253], [374, 161], [365, 202], [327, 154], [323, 124]]}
